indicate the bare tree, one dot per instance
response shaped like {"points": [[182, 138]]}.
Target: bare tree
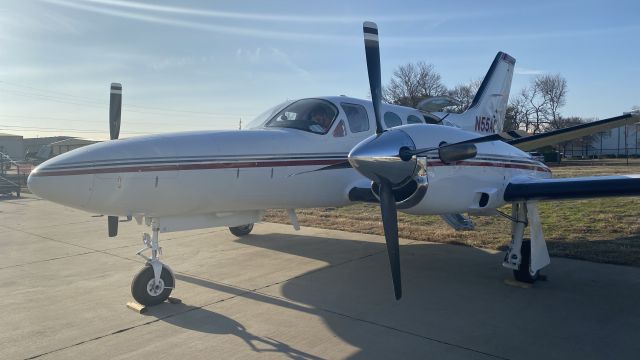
{"points": [[519, 112], [537, 106], [464, 93], [412, 83], [553, 90]]}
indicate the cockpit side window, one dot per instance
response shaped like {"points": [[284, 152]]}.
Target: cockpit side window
{"points": [[392, 119], [311, 115], [357, 117]]}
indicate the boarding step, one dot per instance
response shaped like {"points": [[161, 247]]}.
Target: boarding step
{"points": [[7, 186]]}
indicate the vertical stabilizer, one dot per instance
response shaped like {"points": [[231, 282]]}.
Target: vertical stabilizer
{"points": [[488, 108]]}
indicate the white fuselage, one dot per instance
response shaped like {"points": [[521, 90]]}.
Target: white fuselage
{"points": [[195, 173]]}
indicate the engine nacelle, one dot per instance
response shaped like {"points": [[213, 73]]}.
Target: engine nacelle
{"points": [[411, 192]]}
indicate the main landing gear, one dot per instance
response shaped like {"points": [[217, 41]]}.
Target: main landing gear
{"points": [[155, 281], [518, 257]]}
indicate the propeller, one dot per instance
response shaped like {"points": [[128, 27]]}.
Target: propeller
{"points": [[115, 111], [363, 162], [389, 157]]}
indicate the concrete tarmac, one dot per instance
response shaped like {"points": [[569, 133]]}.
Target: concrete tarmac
{"points": [[278, 293]]}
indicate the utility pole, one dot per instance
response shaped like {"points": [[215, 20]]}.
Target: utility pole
{"points": [[240, 125]]}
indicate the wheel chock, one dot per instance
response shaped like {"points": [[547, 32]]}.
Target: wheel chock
{"points": [[173, 300], [518, 284], [140, 309]]}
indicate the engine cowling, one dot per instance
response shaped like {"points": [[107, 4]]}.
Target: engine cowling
{"points": [[412, 191]]}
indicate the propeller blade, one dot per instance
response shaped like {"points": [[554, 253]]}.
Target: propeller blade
{"points": [[112, 222], [390, 224], [115, 109], [372, 51]]}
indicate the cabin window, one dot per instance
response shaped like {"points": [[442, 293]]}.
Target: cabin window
{"points": [[311, 115], [340, 130], [357, 117], [392, 119], [412, 119]]}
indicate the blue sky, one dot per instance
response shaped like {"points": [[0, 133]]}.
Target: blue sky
{"points": [[192, 65]]}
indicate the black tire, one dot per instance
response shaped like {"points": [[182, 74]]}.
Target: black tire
{"points": [[141, 281], [523, 274], [242, 230]]}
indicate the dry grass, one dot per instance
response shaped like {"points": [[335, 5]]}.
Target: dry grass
{"points": [[600, 230]]}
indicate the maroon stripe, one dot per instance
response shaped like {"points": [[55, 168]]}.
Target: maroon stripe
{"points": [[492, 164], [176, 167]]}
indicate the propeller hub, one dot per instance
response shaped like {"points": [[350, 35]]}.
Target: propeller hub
{"points": [[378, 157]]}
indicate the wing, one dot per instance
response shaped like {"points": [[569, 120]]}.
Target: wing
{"points": [[574, 132], [521, 189]]}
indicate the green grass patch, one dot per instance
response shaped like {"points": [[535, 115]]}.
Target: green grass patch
{"points": [[600, 230]]}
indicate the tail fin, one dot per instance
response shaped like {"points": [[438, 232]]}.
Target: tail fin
{"points": [[488, 108]]}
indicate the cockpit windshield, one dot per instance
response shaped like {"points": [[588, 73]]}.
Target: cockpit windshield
{"points": [[312, 115], [259, 120]]}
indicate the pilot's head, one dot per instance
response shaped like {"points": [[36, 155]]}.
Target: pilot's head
{"points": [[321, 116]]}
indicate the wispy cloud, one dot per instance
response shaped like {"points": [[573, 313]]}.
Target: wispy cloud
{"points": [[296, 18], [147, 13], [221, 29]]}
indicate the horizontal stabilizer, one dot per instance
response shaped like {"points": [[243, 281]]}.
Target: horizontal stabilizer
{"points": [[572, 188], [575, 132]]}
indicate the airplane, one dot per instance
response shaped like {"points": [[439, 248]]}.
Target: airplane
{"points": [[326, 152]]}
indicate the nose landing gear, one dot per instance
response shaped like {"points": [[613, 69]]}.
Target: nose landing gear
{"points": [[155, 281]]}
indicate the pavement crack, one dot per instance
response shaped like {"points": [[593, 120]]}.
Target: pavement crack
{"points": [[46, 260]]}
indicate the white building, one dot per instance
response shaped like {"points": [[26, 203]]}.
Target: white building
{"points": [[620, 141]]}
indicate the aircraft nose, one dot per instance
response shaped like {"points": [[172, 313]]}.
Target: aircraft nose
{"points": [[51, 181]]}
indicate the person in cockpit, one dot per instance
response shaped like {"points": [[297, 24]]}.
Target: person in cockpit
{"points": [[321, 120]]}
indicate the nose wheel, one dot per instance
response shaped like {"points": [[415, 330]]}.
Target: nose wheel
{"points": [[146, 291], [154, 283]]}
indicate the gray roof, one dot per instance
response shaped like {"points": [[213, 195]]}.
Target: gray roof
{"points": [[9, 135]]}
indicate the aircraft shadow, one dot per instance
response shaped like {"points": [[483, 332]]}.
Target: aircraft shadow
{"points": [[454, 297], [205, 321]]}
